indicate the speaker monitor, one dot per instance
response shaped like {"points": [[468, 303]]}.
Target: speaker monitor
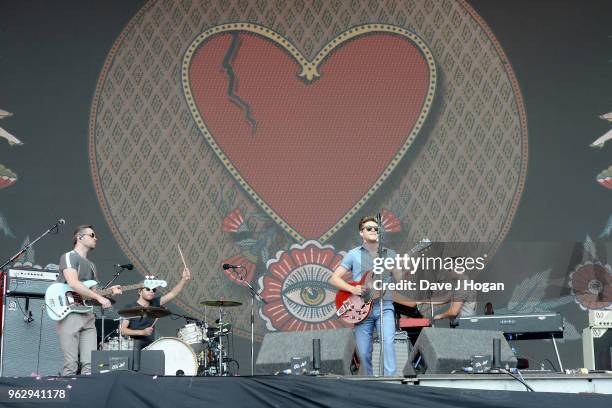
{"points": [[442, 351], [26, 327], [277, 350], [152, 362]]}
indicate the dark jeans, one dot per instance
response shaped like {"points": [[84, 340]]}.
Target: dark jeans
{"points": [[139, 344]]}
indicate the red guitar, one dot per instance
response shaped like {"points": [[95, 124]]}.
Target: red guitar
{"points": [[355, 308]]}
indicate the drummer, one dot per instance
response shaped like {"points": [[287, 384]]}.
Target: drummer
{"points": [[141, 329]]}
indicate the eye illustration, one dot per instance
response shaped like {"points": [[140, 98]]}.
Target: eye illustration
{"points": [[308, 295]]}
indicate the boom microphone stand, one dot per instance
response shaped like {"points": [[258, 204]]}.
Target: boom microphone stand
{"points": [[118, 270], [53, 230], [254, 295], [381, 363]]}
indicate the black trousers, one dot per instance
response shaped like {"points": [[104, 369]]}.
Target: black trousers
{"points": [[139, 344]]}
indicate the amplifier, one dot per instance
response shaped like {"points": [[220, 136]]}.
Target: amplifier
{"points": [[31, 283], [600, 318], [29, 340], [34, 274], [402, 348], [597, 348]]}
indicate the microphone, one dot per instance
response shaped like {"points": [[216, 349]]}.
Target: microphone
{"points": [[59, 222], [129, 267], [228, 266]]}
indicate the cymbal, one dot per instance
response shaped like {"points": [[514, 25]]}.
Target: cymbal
{"points": [[143, 311], [220, 303]]}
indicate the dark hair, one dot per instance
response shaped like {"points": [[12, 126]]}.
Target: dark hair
{"points": [[365, 219], [78, 230]]}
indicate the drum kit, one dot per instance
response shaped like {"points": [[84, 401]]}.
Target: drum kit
{"points": [[198, 349]]}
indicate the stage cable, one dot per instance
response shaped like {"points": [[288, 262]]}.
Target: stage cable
{"points": [[42, 314]]}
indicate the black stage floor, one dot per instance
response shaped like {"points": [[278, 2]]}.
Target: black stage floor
{"points": [[128, 389]]}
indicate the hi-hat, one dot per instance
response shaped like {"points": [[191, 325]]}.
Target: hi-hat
{"points": [[143, 311], [220, 303]]}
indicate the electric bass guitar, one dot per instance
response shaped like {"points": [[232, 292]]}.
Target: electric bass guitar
{"points": [[61, 299], [356, 308]]}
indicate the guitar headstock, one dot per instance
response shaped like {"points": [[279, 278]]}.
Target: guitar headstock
{"points": [[422, 245], [151, 283]]}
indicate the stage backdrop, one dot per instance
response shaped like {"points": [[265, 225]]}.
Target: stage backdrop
{"points": [[257, 133]]}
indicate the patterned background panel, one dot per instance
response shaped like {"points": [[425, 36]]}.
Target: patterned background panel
{"points": [[160, 182]]}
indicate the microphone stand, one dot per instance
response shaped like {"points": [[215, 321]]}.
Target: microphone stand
{"points": [[381, 363], [53, 230], [254, 295], [118, 270]]}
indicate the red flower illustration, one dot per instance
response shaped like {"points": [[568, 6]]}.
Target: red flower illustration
{"points": [[591, 284], [234, 222], [605, 178], [390, 221], [7, 177]]}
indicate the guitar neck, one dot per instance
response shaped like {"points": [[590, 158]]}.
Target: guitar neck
{"points": [[105, 292]]}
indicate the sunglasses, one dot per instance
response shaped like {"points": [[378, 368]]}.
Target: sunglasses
{"points": [[371, 228], [93, 235], [150, 290]]}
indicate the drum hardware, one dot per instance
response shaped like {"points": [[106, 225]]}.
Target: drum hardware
{"points": [[118, 270], [118, 343], [194, 334], [198, 348], [223, 329]]}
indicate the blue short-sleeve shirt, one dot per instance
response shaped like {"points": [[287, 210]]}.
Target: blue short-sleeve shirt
{"points": [[358, 260]]}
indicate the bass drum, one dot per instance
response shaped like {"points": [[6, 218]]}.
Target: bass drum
{"points": [[179, 358]]}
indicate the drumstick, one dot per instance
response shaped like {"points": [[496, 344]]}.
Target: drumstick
{"points": [[153, 325], [181, 254]]}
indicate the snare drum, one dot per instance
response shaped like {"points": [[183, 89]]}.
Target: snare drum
{"points": [[178, 356]]}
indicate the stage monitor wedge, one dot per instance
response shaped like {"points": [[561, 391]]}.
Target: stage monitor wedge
{"points": [[443, 351], [277, 350]]}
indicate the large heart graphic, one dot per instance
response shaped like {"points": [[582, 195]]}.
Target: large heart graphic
{"points": [[310, 141]]}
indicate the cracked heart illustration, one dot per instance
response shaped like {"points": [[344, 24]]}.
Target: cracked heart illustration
{"points": [[310, 140]]}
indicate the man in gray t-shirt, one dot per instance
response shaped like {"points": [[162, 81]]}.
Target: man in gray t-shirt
{"points": [[77, 331], [85, 268]]}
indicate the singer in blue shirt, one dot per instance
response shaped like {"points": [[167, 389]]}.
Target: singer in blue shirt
{"points": [[357, 261]]}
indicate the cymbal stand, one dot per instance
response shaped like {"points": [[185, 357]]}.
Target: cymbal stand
{"points": [[205, 336], [220, 360]]}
